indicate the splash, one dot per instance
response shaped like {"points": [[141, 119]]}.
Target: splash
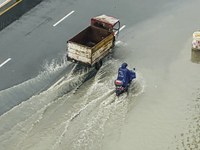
{"points": [[80, 112], [102, 113], [15, 95]]}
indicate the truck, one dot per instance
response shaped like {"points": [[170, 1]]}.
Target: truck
{"points": [[92, 44]]}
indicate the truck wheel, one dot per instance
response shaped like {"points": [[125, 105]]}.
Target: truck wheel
{"points": [[113, 44], [98, 65]]}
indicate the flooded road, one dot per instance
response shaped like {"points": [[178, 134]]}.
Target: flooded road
{"points": [[166, 115], [161, 110], [77, 113]]}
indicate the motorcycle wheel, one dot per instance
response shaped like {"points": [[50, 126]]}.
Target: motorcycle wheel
{"points": [[118, 92]]}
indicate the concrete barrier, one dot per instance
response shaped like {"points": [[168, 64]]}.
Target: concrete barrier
{"points": [[16, 11], [195, 56]]}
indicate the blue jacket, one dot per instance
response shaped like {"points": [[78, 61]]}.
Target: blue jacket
{"points": [[125, 75]]}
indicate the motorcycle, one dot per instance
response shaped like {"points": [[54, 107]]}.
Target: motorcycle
{"points": [[119, 86]]}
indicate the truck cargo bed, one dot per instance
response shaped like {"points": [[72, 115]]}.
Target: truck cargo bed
{"points": [[90, 45], [90, 36]]}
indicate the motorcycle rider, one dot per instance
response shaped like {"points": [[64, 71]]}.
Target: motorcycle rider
{"points": [[125, 75]]}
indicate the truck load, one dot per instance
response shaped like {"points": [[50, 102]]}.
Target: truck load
{"points": [[92, 44]]}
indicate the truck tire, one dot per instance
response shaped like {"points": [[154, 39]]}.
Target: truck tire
{"points": [[98, 65], [113, 44]]}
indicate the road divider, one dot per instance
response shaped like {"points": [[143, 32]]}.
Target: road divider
{"points": [[10, 7], [4, 3], [63, 18], [59, 81], [6, 61], [122, 27]]}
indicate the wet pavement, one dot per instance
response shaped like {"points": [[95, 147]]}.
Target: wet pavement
{"points": [[161, 110]]}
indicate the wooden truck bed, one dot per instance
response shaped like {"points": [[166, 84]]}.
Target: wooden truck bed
{"points": [[90, 45]]}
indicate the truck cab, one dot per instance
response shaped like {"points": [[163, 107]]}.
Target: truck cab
{"points": [[107, 22]]}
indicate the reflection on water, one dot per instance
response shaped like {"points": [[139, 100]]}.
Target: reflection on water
{"points": [[195, 56]]}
